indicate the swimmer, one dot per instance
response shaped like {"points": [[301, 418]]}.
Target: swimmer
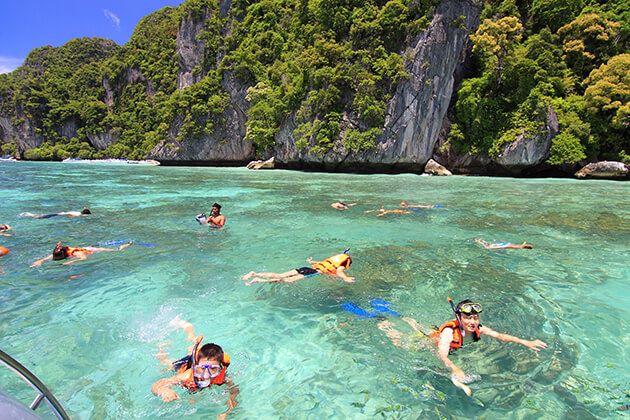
{"points": [[382, 211], [62, 252], [332, 266], [83, 212], [4, 228], [503, 245], [204, 366], [215, 220], [453, 334], [340, 205], [404, 205]]}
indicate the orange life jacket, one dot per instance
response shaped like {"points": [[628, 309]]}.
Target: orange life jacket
{"points": [[458, 338], [72, 251], [330, 265], [190, 384]]}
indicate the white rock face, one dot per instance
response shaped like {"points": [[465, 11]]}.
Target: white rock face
{"points": [[434, 168], [604, 169]]}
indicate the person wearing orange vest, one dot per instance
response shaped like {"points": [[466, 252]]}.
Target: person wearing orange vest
{"points": [[453, 334], [204, 366], [332, 266], [62, 252]]}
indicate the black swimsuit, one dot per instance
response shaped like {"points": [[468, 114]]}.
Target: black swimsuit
{"points": [[307, 271]]}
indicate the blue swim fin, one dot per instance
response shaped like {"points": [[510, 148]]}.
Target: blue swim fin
{"points": [[355, 310], [383, 306]]}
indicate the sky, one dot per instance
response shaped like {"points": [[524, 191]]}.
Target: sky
{"points": [[29, 24]]}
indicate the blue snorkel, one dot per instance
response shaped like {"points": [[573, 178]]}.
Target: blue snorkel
{"points": [[459, 321], [345, 251]]}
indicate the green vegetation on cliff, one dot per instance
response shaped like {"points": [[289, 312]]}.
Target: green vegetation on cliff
{"points": [[330, 66], [569, 56]]}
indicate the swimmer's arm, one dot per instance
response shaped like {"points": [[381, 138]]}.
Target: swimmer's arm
{"points": [[69, 213], [5, 234], [341, 273], [39, 262], [231, 402], [162, 388], [187, 327], [458, 375], [79, 256], [218, 221], [483, 243], [535, 345], [444, 346]]}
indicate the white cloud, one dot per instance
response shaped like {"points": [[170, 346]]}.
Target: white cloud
{"points": [[111, 16], [8, 64]]}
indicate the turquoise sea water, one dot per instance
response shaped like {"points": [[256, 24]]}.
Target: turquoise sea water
{"points": [[91, 330]]}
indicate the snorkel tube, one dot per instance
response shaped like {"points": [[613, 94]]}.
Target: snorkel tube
{"points": [[459, 321]]}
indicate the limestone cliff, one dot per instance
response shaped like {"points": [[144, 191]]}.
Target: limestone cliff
{"points": [[418, 107]]}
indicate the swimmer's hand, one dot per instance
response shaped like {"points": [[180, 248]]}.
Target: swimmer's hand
{"points": [[349, 279], [458, 378], [535, 345], [461, 386], [168, 395]]}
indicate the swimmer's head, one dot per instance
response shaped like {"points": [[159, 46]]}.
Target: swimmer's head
{"points": [[211, 352], [527, 246], [404, 204], [468, 307], [86, 211], [60, 252], [4, 227]]}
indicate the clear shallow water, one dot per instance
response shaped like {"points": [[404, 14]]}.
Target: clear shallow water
{"points": [[90, 330]]}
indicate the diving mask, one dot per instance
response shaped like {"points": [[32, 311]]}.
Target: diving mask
{"points": [[471, 308]]}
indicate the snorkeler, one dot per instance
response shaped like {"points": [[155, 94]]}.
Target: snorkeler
{"points": [[332, 266], [83, 212], [453, 334], [340, 205], [382, 211], [62, 252], [4, 228], [206, 365], [503, 245], [215, 220]]}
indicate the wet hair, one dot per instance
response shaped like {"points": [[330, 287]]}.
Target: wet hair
{"points": [[86, 211], [458, 307], [60, 252], [211, 351], [3, 227], [217, 205]]}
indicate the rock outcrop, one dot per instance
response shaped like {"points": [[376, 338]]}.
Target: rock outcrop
{"points": [[101, 140], [529, 150], [434, 168], [24, 134], [262, 164], [604, 170]]}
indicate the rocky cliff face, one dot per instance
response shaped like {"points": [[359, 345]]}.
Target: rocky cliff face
{"points": [[225, 145], [417, 109], [23, 134]]}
